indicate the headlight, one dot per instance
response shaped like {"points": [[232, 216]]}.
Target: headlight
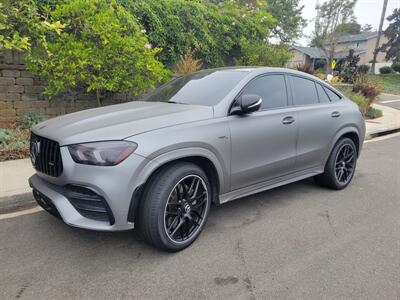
{"points": [[109, 153]]}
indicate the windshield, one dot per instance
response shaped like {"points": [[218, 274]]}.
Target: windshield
{"points": [[206, 87]]}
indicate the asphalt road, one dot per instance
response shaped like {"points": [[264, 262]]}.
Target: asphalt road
{"points": [[295, 242], [392, 101]]}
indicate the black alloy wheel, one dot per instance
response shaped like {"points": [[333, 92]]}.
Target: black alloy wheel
{"points": [[344, 164], [185, 209]]}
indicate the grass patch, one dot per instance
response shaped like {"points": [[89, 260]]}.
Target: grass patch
{"points": [[390, 83]]}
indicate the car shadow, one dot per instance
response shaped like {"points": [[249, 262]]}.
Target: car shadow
{"points": [[235, 214]]}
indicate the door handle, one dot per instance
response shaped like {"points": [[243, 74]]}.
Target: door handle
{"points": [[335, 114], [287, 120]]}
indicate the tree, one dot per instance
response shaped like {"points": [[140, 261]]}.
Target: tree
{"points": [[96, 45], [214, 31], [392, 46], [329, 15], [378, 38], [349, 69], [289, 20], [262, 54], [19, 24], [366, 28], [347, 29]]}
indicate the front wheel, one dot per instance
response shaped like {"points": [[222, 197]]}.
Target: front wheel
{"points": [[175, 206], [340, 167]]}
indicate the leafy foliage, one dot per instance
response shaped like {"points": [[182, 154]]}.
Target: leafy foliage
{"points": [[330, 15], [385, 70], [396, 67], [216, 31], [373, 113], [19, 23], [289, 20], [262, 54], [29, 120], [348, 28], [188, 64], [363, 69], [392, 32], [360, 100], [349, 69], [370, 90], [96, 45]]}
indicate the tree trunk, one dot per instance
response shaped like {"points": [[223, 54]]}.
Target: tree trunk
{"points": [[98, 97], [379, 36]]}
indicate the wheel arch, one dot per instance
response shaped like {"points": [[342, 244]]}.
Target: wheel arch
{"points": [[207, 161], [350, 132]]}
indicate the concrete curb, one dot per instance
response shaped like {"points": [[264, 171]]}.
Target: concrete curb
{"points": [[16, 202], [382, 132]]}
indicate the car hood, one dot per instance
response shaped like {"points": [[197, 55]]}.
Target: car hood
{"points": [[119, 121]]}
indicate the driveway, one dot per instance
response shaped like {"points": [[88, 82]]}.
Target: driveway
{"points": [[295, 242]]}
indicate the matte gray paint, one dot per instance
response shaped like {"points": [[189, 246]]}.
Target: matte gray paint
{"points": [[250, 153]]}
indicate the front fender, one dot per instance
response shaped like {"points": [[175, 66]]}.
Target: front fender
{"points": [[164, 156]]}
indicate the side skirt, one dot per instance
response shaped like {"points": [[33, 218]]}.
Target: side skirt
{"points": [[267, 185]]}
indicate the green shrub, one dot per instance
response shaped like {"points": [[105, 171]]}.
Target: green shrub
{"points": [[188, 64], [4, 135], [369, 89], [360, 100], [363, 69], [373, 113], [30, 120], [97, 45], [385, 70], [396, 67], [218, 32], [262, 54]]}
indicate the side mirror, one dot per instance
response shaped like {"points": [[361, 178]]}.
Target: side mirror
{"points": [[246, 104]]}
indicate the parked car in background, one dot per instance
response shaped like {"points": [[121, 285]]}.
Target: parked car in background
{"points": [[205, 138]]}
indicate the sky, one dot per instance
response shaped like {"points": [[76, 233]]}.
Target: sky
{"points": [[366, 11]]}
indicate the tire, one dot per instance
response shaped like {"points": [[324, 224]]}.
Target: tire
{"points": [[339, 165], [169, 200]]}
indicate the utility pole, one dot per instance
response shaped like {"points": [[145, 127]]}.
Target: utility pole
{"points": [[385, 2]]}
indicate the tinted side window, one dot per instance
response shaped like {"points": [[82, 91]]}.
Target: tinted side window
{"points": [[271, 88], [332, 95], [323, 97], [304, 91]]}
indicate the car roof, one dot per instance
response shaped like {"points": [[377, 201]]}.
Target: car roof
{"points": [[260, 70]]}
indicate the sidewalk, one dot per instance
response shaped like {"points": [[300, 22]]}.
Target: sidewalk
{"points": [[15, 191], [390, 121], [14, 188]]}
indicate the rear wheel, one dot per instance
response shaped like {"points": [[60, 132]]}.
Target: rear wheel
{"points": [[340, 167], [175, 206]]}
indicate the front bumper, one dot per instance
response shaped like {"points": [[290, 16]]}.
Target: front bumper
{"points": [[110, 188]]}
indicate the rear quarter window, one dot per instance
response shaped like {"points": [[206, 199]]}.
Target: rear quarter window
{"points": [[332, 95]]}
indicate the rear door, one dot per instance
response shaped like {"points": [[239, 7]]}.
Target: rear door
{"points": [[319, 118], [263, 142]]}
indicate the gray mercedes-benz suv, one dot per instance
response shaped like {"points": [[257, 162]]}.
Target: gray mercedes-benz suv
{"points": [[208, 137]]}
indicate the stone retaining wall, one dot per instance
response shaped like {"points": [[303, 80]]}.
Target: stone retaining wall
{"points": [[21, 93]]}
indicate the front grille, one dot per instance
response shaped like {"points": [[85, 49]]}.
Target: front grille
{"points": [[88, 203], [45, 155]]}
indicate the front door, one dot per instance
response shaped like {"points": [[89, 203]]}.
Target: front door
{"points": [[263, 142]]}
